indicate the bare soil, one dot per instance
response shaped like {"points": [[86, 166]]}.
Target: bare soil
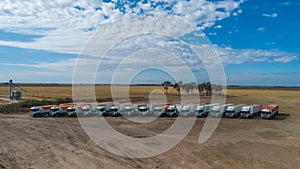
{"points": [[27, 142]]}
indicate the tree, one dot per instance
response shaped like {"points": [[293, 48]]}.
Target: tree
{"points": [[187, 87], [201, 87], [208, 88], [193, 86], [177, 87], [166, 85]]}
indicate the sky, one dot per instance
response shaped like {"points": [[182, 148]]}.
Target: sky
{"points": [[257, 41]]}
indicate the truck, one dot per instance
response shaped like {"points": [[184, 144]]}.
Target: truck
{"points": [[72, 111], [199, 109], [233, 111], [86, 110], [270, 111], [171, 111], [56, 111], [144, 110], [159, 110], [218, 110], [250, 111], [113, 110], [186, 110], [206, 110], [38, 111], [102, 109], [129, 110]]}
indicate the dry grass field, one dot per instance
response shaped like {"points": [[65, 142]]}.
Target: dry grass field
{"points": [[27, 142], [104, 91]]}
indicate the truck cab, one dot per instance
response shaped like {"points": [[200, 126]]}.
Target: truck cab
{"points": [[113, 110], [72, 111], [129, 111], [144, 110], [216, 111], [171, 111], [102, 110], [269, 112], [37, 111], [159, 111], [185, 111], [86, 110], [199, 109], [56, 111]]}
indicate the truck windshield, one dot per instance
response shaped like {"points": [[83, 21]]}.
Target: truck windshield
{"points": [[113, 109], [54, 109], [170, 110], [86, 110], [128, 109], [143, 109], [246, 112], [71, 110], [266, 112], [101, 108], [34, 110], [185, 110]]}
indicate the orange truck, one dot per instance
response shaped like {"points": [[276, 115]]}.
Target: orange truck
{"points": [[270, 111]]}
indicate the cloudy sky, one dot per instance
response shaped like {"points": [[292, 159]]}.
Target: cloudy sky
{"points": [[257, 41]]}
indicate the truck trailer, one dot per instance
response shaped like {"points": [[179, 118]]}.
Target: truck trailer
{"points": [[270, 111]]}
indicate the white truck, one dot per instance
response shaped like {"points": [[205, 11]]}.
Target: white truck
{"points": [[206, 109], [102, 109], [250, 111], [186, 111], [171, 111], [72, 111], [144, 110], [129, 110], [218, 110], [233, 111], [86, 110], [113, 110], [56, 111], [159, 111], [199, 109], [38, 111], [270, 111]]}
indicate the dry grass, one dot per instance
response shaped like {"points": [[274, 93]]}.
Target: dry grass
{"points": [[104, 91], [280, 92]]}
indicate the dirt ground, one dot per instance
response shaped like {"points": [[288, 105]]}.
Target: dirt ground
{"points": [[27, 142]]}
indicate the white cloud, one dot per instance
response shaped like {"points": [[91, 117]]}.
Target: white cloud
{"points": [[272, 15], [239, 56], [261, 29], [66, 25], [218, 26]]}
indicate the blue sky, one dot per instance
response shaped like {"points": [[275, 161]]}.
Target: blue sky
{"points": [[257, 41]]}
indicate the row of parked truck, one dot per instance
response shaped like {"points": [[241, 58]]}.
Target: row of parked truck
{"points": [[166, 110]]}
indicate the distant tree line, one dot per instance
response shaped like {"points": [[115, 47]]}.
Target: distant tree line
{"points": [[206, 87]]}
